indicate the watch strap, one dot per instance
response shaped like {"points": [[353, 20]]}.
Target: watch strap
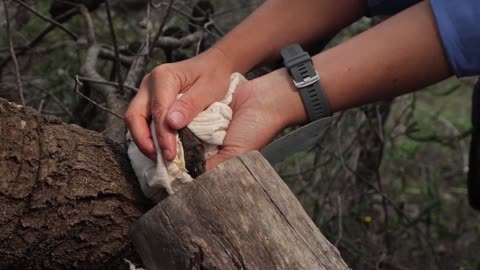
{"points": [[306, 79]]}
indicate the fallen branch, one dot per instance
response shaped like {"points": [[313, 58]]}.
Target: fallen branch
{"points": [[68, 195], [75, 90]]}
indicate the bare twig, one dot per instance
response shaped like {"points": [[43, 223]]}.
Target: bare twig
{"points": [[86, 79], [162, 42], [367, 183], [174, 43], [55, 99], [41, 36], [204, 27], [89, 29], [45, 18], [137, 69], [75, 89], [160, 29], [115, 48], [110, 55], [41, 105], [340, 223], [13, 56], [88, 70], [54, 48]]}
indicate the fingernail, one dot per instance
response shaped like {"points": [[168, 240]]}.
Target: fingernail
{"points": [[167, 155], [176, 118]]}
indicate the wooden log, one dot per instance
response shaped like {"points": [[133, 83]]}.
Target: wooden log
{"points": [[241, 215], [67, 195]]}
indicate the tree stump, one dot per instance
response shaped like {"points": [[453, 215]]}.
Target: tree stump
{"points": [[241, 215]]}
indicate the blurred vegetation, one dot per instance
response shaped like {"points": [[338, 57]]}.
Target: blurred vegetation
{"points": [[386, 184], [410, 213]]}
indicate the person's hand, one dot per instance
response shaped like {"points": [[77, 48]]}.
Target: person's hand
{"points": [[261, 109], [202, 80]]}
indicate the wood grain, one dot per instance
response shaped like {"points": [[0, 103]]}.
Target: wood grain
{"points": [[241, 215]]}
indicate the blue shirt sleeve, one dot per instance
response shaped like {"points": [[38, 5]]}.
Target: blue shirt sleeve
{"points": [[459, 27], [458, 23]]}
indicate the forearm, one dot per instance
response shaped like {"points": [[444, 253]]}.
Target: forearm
{"points": [[401, 55], [278, 23]]}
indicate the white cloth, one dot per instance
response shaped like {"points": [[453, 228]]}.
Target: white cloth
{"points": [[210, 126]]}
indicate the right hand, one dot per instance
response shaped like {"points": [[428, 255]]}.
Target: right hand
{"points": [[202, 80], [261, 109]]}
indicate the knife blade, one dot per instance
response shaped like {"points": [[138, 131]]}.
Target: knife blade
{"points": [[301, 139]]}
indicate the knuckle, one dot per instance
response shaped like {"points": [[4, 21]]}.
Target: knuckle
{"points": [[161, 70], [157, 114], [128, 117], [165, 76], [145, 80], [187, 105], [158, 110], [143, 148]]}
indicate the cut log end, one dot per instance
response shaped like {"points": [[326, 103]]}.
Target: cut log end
{"points": [[241, 215]]}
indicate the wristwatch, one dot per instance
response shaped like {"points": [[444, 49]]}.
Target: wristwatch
{"points": [[307, 81]]}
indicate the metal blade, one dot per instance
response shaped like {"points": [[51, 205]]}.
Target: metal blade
{"points": [[301, 139]]}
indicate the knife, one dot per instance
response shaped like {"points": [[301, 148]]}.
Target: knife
{"points": [[301, 139]]}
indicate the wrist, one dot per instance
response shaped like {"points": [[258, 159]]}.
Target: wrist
{"points": [[216, 58], [285, 102], [240, 57]]}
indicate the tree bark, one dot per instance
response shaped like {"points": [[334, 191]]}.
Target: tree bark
{"points": [[67, 195], [241, 215]]}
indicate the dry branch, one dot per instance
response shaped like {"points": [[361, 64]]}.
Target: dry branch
{"points": [[68, 14], [45, 18], [118, 68], [12, 54], [78, 92]]}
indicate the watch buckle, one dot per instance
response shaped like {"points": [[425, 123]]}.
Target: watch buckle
{"points": [[307, 81]]}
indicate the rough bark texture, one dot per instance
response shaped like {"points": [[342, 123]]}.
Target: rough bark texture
{"points": [[241, 215], [194, 152], [67, 195]]}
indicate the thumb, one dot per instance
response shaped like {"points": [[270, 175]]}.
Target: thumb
{"points": [[190, 104]]}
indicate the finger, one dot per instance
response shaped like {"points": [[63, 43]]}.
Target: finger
{"points": [[164, 88], [136, 119], [192, 102]]}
